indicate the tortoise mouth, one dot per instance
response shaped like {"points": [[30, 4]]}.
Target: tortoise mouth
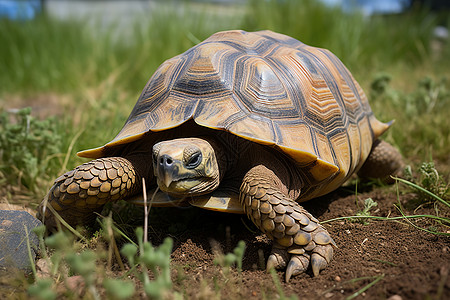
{"points": [[180, 187]]}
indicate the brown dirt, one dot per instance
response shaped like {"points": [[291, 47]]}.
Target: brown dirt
{"points": [[407, 262]]}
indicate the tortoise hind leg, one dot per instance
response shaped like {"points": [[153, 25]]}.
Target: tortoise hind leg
{"points": [[78, 194], [384, 160], [299, 239]]}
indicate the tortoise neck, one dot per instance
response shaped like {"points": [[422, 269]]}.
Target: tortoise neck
{"points": [[220, 150]]}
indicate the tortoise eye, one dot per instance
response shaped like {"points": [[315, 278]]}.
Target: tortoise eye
{"points": [[194, 161]]}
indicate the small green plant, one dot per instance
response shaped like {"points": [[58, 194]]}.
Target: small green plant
{"points": [[365, 212], [280, 291], [68, 259], [232, 258], [43, 289], [156, 260], [27, 148], [84, 263], [118, 288], [431, 94], [64, 255], [441, 205], [432, 181]]}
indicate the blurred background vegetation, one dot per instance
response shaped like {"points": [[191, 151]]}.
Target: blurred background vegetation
{"points": [[81, 74]]}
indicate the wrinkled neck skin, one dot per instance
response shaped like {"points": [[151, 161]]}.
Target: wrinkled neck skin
{"points": [[236, 156]]}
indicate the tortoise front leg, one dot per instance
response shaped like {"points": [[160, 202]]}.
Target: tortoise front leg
{"points": [[78, 194], [299, 239]]}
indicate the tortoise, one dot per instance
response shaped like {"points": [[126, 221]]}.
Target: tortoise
{"points": [[244, 122]]}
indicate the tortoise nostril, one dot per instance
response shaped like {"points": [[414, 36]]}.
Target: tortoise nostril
{"points": [[166, 160]]}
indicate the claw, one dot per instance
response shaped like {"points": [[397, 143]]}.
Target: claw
{"points": [[317, 263], [297, 265], [325, 251], [272, 262], [277, 259]]}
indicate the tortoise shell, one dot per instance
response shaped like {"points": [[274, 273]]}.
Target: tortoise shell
{"points": [[268, 88]]}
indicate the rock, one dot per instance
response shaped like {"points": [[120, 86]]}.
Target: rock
{"points": [[75, 283], [43, 268], [13, 238], [9, 206]]}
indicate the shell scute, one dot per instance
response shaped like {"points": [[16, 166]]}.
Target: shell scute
{"points": [[268, 88]]}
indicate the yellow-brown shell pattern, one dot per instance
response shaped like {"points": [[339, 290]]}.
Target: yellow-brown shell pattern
{"points": [[268, 88]]}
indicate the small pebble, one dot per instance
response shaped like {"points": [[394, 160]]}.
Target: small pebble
{"points": [[42, 268], [395, 297], [75, 283], [328, 295], [337, 278]]}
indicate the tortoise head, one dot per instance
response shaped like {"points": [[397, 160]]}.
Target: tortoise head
{"points": [[185, 167]]}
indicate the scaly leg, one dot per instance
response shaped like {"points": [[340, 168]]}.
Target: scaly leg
{"points": [[299, 239], [78, 194], [384, 160]]}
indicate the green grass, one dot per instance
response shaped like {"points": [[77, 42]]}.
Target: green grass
{"points": [[64, 56], [422, 128], [361, 43], [29, 149], [101, 73]]}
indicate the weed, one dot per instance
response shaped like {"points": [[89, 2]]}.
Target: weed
{"points": [[155, 259], [365, 212], [28, 148], [277, 283], [84, 263], [43, 289], [118, 288], [432, 181], [69, 259], [442, 219], [231, 259]]}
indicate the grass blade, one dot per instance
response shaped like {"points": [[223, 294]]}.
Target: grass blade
{"points": [[365, 288], [423, 190]]}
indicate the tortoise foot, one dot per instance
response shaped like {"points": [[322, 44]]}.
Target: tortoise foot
{"points": [[296, 259], [299, 239], [384, 161], [278, 258]]}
